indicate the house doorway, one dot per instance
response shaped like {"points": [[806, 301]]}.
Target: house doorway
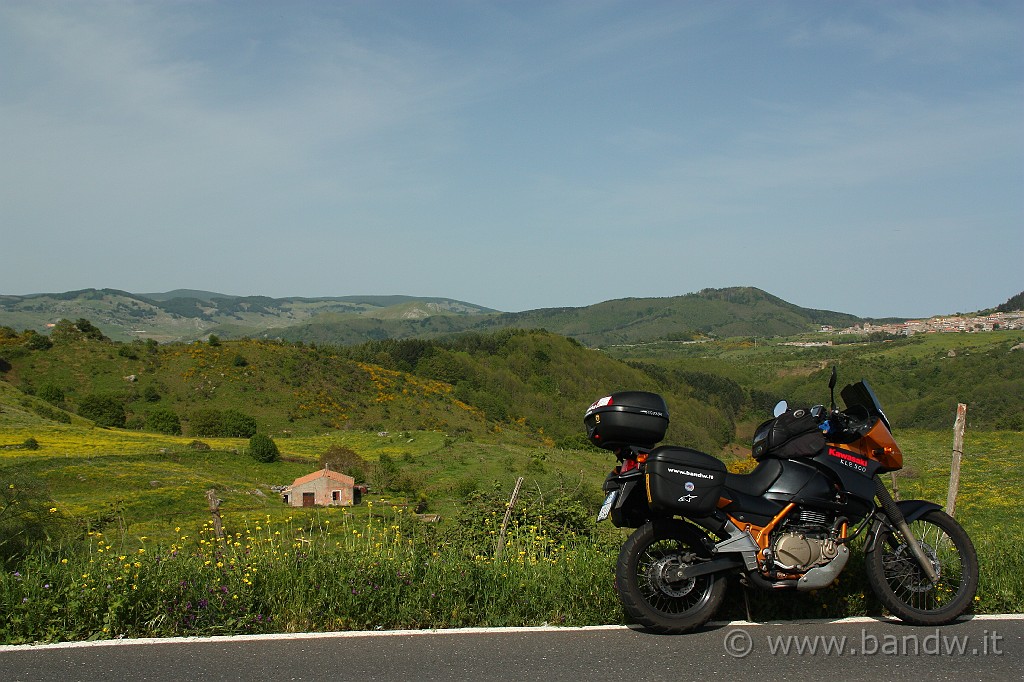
{"points": [[308, 499]]}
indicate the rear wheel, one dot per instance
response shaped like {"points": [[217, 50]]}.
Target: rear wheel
{"points": [[900, 583], [649, 590]]}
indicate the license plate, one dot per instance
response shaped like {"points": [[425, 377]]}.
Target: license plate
{"points": [[606, 508]]}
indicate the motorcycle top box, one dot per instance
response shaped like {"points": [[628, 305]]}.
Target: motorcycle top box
{"points": [[684, 481], [627, 418]]}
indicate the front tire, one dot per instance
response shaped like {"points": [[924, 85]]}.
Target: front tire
{"points": [[901, 585], [649, 595]]}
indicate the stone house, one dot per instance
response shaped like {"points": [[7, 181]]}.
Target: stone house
{"points": [[322, 488]]}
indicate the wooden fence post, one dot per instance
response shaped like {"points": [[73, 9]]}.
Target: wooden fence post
{"points": [[211, 497], [895, 486], [508, 515], [958, 453]]}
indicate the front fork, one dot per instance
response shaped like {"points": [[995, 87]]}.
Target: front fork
{"points": [[898, 519]]}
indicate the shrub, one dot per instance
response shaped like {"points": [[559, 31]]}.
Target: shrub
{"points": [[104, 409], [52, 394], [36, 341], [262, 448], [163, 420], [66, 331], [238, 425], [340, 458], [135, 422], [385, 474], [30, 444], [205, 423], [222, 424]]}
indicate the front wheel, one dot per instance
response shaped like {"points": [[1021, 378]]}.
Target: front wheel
{"points": [[648, 589], [900, 583]]}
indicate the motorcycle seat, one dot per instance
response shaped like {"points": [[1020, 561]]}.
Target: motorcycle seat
{"points": [[757, 481]]}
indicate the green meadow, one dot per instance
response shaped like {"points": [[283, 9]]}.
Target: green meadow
{"points": [[105, 531]]}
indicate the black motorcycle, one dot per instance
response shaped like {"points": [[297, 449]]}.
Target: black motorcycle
{"points": [[786, 525]]}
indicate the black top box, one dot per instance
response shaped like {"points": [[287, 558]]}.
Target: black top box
{"points": [[627, 418]]}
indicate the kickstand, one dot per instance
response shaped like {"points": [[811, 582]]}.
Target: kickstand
{"points": [[746, 603]]}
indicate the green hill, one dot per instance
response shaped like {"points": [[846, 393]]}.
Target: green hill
{"points": [[712, 312], [531, 385]]}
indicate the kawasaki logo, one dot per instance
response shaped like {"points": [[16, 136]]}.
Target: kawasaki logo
{"points": [[847, 457], [694, 474]]}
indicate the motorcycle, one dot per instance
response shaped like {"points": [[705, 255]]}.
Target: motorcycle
{"points": [[786, 525]]}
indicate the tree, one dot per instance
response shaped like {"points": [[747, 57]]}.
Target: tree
{"points": [[262, 448], [222, 424], [36, 341], [385, 473], [52, 394], [339, 458], [238, 425], [66, 331], [104, 409], [164, 420]]}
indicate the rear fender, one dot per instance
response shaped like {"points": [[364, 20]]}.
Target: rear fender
{"points": [[630, 509]]}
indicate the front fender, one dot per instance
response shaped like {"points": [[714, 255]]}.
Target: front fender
{"points": [[912, 510]]}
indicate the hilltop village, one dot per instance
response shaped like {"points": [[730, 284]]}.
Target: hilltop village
{"points": [[956, 323]]}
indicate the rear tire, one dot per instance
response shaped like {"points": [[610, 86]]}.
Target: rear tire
{"points": [[900, 583], [649, 596]]}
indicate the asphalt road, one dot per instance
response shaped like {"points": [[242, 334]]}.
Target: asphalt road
{"points": [[989, 648]]}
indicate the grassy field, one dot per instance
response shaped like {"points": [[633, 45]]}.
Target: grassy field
{"points": [[144, 482], [151, 566]]}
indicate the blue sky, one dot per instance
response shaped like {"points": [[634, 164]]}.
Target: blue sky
{"points": [[866, 157]]}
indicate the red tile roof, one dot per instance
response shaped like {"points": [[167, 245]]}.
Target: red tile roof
{"points": [[324, 473]]}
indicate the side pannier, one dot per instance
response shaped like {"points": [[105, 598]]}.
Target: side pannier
{"points": [[684, 481]]}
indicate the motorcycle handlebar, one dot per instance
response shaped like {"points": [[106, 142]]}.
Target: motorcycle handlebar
{"points": [[843, 425]]}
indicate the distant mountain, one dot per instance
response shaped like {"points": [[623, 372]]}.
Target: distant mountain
{"points": [[186, 315], [185, 293], [738, 311]]}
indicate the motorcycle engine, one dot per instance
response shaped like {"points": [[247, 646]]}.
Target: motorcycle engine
{"points": [[804, 543]]}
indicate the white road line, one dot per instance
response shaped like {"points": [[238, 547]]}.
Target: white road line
{"points": [[448, 631]]}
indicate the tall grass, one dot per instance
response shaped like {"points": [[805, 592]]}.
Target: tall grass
{"points": [[333, 571]]}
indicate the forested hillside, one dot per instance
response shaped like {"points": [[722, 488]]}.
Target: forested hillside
{"points": [[528, 385]]}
